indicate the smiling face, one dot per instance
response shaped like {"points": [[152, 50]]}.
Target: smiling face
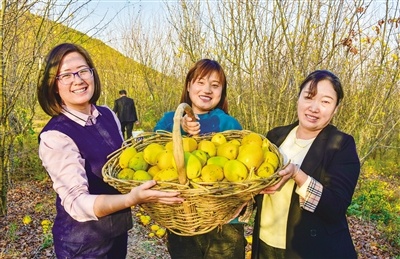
{"points": [[205, 93], [316, 112], [76, 95]]}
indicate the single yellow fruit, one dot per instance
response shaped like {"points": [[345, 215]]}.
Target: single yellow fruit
{"points": [[154, 227], [151, 234], [271, 158], [138, 162], [141, 175], [193, 165], [265, 170], [235, 171], [218, 139], [249, 239], [251, 155], [126, 174], [145, 219], [169, 146], [228, 150], [126, 155], [197, 180], [212, 173], [252, 138], [265, 144], [208, 147], [235, 141], [166, 175], [189, 144], [165, 159], [201, 155], [161, 232], [217, 160], [27, 220], [153, 170], [151, 152]]}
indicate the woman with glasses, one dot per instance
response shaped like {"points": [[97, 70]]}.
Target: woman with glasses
{"points": [[92, 217]]}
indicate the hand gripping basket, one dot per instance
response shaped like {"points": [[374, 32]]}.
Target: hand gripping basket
{"points": [[206, 205]]}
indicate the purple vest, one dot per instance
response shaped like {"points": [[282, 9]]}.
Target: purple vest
{"points": [[95, 143]]}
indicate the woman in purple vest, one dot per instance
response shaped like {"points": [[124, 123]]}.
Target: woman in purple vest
{"points": [[92, 218]]}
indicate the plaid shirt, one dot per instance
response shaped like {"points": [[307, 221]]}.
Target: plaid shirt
{"points": [[313, 195]]}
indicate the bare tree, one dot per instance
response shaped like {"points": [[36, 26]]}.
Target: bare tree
{"points": [[28, 29]]}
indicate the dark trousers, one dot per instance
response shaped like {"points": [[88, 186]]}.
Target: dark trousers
{"points": [[128, 127], [269, 252], [226, 243], [114, 248]]}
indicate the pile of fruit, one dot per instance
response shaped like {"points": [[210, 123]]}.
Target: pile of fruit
{"points": [[206, 160]]}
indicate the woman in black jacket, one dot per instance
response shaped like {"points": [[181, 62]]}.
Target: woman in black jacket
{"points": [[304, 215]]}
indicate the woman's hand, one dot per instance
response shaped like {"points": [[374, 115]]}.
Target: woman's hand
{"points": [[190, 126], [286, 173], [144, 194]]}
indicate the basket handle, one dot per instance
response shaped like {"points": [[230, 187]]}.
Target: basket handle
{"points": [[177, 140]]}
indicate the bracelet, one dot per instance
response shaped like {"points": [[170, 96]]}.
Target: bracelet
{"points": [[297, 171]]}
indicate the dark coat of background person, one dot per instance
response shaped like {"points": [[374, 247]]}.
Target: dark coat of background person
{"points": [[125, 109], [305, 229]]}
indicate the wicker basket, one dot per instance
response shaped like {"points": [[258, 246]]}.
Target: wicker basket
{"points": [[206, 205]]}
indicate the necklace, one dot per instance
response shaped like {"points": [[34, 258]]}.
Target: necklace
{"points": [[306, 142]]}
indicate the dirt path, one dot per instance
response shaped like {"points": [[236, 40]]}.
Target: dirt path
{"points": [[36, 200]]}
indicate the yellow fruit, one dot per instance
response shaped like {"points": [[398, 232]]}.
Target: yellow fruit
{"points": [[151, 152], [265, 144], [161, 232], [169, 146], [126, 174], [145, 219], [197, 180], [228, 150], [265, 170], [166, 175], [201, 155], [193, 165], [126, 155], [217, 160], [208, 147], [235, 171], [251, 155], [249, 239], [218, 139], [271, 158], [165, 159], [212, 173], [154, 227], [151, 234], [138, 162], [252, 138], [27, 220], [141, 175], [235, 141], [189, 144], [153, 170]]}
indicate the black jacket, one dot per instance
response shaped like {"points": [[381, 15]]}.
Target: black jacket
{"points": [[125, 109], [333, 161]]}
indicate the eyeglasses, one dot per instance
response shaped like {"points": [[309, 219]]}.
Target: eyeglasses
{"points": [[68, 78]]}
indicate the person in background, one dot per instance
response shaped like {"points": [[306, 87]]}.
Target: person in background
{"points": [[92, 218], [205, 90], [125, 109], [304, 215]]}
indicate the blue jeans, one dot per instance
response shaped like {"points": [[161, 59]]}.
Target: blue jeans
{"points": [[226, 243]]}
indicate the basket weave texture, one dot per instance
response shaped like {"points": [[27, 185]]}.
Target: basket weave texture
{"points": [[207, 205]]}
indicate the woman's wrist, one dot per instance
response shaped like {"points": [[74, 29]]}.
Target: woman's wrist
{"points": [[297, 170]]}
